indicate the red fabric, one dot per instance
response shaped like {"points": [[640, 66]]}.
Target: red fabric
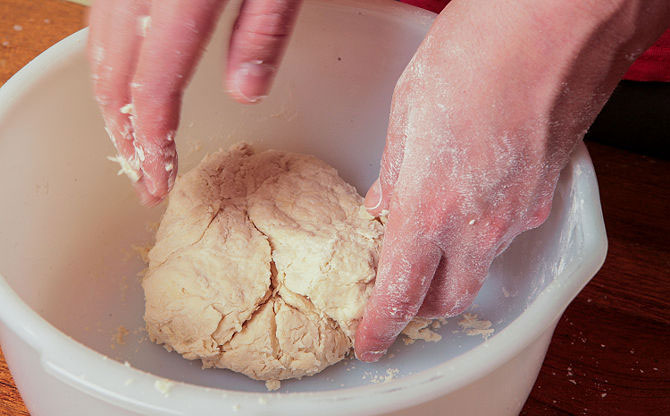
{"points": [[652, 65], [432, 5]]}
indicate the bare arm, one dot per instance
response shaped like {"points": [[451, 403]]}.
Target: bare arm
{"points": [[142, 56], [483, 120]]}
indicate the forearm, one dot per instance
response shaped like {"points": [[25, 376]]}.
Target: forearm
{"points": [[561, 59], [482, 121], [553, 36], [593, 43]]}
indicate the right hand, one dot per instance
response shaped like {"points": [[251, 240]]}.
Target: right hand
{"points": [[482, 121], [150, 71]]}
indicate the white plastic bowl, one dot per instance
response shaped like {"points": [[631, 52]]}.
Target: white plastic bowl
{"points": [[69, 277]]}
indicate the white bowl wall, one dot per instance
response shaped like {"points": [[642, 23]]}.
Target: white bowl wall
{"points": [[69, 275]]}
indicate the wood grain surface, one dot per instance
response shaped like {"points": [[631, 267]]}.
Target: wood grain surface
{"points": [[27, 28], [609, 355]]}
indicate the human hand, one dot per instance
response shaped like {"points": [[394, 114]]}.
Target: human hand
{"points": [[142, 55], [482, 121]]}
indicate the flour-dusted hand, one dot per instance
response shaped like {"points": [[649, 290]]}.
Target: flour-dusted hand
{"points": [[483, 120], [142, 55]]}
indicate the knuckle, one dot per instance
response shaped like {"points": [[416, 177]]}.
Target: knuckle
{"points": [[539, 216], [281, 10], [273, 23], [495, 231], [436, 220], [159, 92], [262, 45], [156, 84]]}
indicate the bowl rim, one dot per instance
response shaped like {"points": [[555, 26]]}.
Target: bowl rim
{"points": [[55, 347]]}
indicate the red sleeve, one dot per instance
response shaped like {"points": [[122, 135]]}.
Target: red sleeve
{"points": [[432, 5], [652, 65]]}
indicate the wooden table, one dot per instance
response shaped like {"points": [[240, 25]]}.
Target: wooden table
{"points": [[610, 354]]}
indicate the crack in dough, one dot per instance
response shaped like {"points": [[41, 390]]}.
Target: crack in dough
{"points": [[263, 263]]}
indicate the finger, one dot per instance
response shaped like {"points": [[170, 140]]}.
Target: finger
{"points": [[378, 198], [432, 306], [114, 44], [96, 36], [461, 272], [179, 31], [453, 289], [406, 267], [257, 44]]}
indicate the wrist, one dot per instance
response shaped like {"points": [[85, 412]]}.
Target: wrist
{"points": [[559, 59]]}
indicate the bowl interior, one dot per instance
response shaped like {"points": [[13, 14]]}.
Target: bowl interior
{"points": [[69, 224]]}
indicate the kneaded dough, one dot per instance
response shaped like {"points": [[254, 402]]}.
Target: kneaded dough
{"points": [[263, 263]]}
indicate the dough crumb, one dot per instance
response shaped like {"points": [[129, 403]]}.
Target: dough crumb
{"points": [[127, 167], [390, 374], [127, 109], [152, 227], [472, 325], [140, 275], [418, 328], [142, 252], [272, 385], [436, 324], [123, 285], [193, 147], [506, 293], [120, 335], [164, 386]]}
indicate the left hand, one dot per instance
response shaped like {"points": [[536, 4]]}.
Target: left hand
{"points": [[142, 56]]}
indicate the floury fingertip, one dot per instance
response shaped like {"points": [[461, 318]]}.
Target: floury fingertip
{"points": [[370, 356]]}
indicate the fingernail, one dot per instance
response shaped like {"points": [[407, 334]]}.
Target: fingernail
{"points": [[374, 196], [252, 79], [371, 356], [151, 187]]}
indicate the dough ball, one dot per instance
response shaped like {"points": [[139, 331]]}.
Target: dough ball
{"points": [[263, 264]]}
